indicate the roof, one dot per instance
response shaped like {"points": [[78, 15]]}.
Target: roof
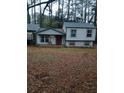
{"points": [[32, 27], [78, 25], [45, 29]]}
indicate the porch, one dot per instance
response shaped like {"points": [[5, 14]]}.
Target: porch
{"points": [[50, 40], [50, 37]]}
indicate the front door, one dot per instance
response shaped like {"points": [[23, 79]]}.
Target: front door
{"points": [[58, 40]]}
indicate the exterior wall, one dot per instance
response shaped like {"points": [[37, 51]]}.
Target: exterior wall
{"points": [[50, 32], [79, 40], [39, 42], [81, 34], [64, 28], [29, 36], [63, 40], [79, 44], [52, 38]]}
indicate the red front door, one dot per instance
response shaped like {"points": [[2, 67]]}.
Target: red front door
{"points": [[58, 40]]}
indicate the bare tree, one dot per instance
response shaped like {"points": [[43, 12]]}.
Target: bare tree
{"points": [[40, 15], [28, 15], [73, 10], [58, 9], [82, 12], [68, 12], [34, 12], [62, 10]]}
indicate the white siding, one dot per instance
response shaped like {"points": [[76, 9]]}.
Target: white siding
{"points": [[52, 39], [38, 40], [29, 36], [79, 44], [80, 35], [64, 28], [63, 40], [50, 32]]}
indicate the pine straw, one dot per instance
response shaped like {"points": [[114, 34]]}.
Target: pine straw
{"points": [[62, 70]]}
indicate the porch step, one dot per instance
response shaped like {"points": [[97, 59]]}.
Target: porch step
{"points": [[51, 46]]}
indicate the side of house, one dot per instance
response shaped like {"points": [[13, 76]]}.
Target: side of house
{"points": [[31, 30], [79, 34]]}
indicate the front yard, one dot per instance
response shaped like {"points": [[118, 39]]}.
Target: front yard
{"points": [[62, 70]]}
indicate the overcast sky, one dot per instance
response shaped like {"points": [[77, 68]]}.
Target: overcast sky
{"points": [[54, 8]]}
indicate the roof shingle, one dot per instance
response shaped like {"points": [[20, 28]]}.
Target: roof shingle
{"points": [[74, 24], [32, 27]]}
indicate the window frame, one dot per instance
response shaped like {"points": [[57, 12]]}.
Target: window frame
{"points": [[73, 34], [72, 43], [87, 43], [41, 38], [44, 38], [89, 34]]}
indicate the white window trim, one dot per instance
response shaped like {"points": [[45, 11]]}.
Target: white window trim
{"points": [[44, 39], [89, 33]]}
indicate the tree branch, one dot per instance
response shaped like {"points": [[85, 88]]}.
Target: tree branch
{"points": [[47, 2]]}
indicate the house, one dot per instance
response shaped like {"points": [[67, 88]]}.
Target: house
{"points": [[71, 35], [31, 29], [50, 36], [79, 34]]}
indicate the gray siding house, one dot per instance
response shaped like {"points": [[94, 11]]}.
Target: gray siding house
{"points": [[79, 34], [31, 30], [71, 35]]}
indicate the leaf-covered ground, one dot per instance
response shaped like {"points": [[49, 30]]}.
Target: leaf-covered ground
{"points": [[61, 70]]}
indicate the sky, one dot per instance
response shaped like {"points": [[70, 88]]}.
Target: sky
{"points": [[54, 8]]}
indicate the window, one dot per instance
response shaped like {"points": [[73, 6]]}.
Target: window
{"points": [[87, 43], [47, 39], [73, 33], [89, 33], [72, 43], [44, 38]]}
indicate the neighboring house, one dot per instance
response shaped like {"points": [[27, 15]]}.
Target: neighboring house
{"points": [[79, 34], [50, 36], [71, 35], [31, 29]]}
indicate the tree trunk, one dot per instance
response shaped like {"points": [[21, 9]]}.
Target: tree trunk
{"points": [[62, 9], [88, 12], [75, 11], [28, 16], [85, 12], [50, 13], [72, 18], [68, 10], [82, 14], [95, 19], [32, 16], [58, 9], [34, 13], [40, 16]]}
